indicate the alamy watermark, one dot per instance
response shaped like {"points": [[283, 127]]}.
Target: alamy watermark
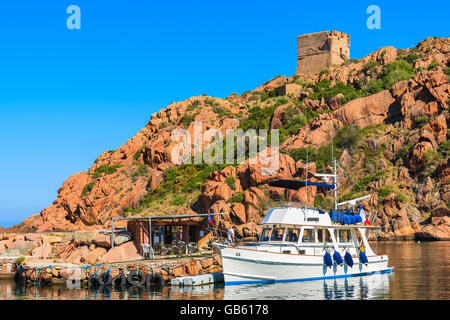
{"points": [[374, 20], [74, 20]]}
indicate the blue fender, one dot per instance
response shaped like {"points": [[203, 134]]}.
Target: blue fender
{"points": [[337, 257], [327, 259], [363, 257], [348, 259], [347, 219]]}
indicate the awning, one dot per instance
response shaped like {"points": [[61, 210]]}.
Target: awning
{"points": [[296, 184]]}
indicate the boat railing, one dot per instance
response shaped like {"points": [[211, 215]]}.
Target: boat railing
{"points": [[317, 248], [290, 204]]}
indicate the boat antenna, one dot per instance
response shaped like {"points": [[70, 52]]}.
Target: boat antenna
{"points": [[335, 184]]}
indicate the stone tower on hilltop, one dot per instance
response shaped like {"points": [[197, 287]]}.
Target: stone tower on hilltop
{"points": [[317, 51]]}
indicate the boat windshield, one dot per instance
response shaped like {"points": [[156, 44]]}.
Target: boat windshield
{"points": [[265, 234], [277, 234]]}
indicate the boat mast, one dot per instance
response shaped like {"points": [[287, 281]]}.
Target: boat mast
{"points": [[306, 179], [335, 184]]}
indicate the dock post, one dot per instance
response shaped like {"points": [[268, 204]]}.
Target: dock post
{"points": [[112, 233], [150, 238]]}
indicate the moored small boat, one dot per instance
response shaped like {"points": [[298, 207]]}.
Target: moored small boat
{"points": [[299, 243]]}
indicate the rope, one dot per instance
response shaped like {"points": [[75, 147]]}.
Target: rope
{"points": [[40, 273], [107, 272]]}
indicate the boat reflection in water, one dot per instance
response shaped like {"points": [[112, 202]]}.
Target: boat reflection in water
{"points": [[374, 286]]}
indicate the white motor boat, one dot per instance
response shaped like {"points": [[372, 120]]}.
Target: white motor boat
{"points": [[299, 243]]}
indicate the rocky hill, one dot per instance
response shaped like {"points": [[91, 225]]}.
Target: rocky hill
{"points": [[385, 117]]}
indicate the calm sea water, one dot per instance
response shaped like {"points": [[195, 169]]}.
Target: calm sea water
{"points": [[422, 271]]}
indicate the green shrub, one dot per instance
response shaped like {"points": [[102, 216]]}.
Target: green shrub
{"points": [[446, 71], [292, 123], [348, 137], [298, 154], [87, 189], [193, 105], [237, 198], [370, 66], [392, 73], [271, 94], [400, 198], [140, 171], [411, 58], [171, 174], [178, 201], [321, 156], [258, 118], [433, 64], [403, 152], [221, 112], [231, 182], [137, 155], [421, 121], [19, 260], [281, 100], [324, 71], [429, 156], [444, 147], [384, 192], [302, 82], [323, 90], [366, 180], [187, 119], [106, 169]]}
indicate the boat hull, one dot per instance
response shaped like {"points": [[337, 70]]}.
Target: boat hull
{"points": [[241, 266]]}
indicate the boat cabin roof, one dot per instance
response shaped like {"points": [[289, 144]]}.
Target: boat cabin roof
{"points": [[297, 216]]}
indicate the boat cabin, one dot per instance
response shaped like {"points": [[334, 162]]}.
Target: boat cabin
{"points": [[309, 231]]}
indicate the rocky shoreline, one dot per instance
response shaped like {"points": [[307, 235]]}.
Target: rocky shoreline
{"points": [[153, 272], [57, 255]]}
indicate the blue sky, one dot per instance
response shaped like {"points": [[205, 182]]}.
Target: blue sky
{"points": [[68, 95]]}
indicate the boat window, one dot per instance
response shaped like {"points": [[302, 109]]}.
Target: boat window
{"points": [[358, 236], [308, 236], [320, 235], [344, 236], [265, 234], [328, 236], [323, 234], [292, 235], [277, 234]]}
